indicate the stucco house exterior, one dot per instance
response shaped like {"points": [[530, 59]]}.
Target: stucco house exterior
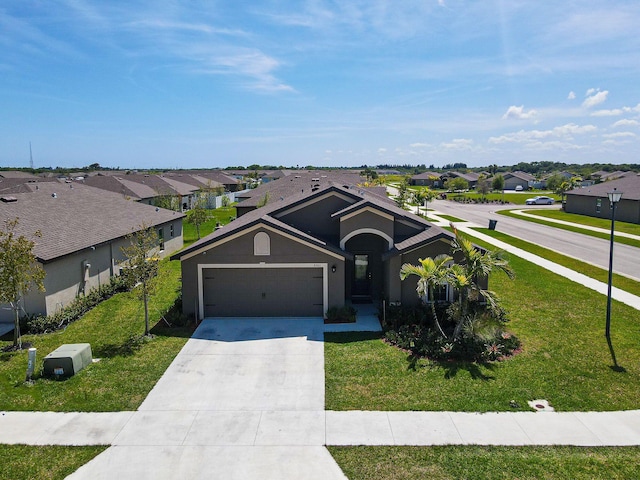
{"points": [[427, 179], [83, 229], [512, 180], [594, 202], [300, 255]]}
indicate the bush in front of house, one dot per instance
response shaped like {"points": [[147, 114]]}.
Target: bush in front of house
{"points": [[483, 337], [77, 308], [344, 314]]}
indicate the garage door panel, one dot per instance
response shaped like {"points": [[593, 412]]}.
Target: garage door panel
{"points": [[249, 292]]}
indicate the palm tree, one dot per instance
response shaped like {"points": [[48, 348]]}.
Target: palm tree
{"points": [[431, 273], [476, 264]]}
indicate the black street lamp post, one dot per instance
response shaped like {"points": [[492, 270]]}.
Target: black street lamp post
{"points": [[614, 197]]}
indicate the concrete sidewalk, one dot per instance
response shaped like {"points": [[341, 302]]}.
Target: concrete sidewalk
{"points": [[270, 429]]}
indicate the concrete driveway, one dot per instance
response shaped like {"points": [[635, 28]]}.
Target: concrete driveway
{"points": [[243, 399]]}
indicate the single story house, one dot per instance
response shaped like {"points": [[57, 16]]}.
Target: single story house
{"points": [[427, 179], [83, 229], [300, 255], [512, 180], [471, 178], [594, 201]]}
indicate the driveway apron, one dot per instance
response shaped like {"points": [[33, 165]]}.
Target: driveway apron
{"points": [[243, 399]]}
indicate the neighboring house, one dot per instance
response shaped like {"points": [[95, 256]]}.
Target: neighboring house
{"points": [[300, 182], [594, 202], [602, 176], [427, 179], [471, 177], [83, 230], [310, 251], [512, 180]]}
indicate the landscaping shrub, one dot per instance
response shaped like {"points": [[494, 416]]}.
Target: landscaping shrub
{"points": [[344, 314], [483, 338], [72, 312]]}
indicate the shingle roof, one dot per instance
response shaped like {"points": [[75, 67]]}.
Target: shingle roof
{"points": [[426, 176], [16, 174], [77, 217], [301, 182], [629, 185], [361, 198]]}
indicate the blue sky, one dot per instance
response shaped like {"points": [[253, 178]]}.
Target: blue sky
{"points": [[171, 84]]}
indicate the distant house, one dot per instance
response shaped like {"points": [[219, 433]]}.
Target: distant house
{"points": [[314, 249], [471, 178], [427, 179], [513, 180], [301, 182], [594, 201], [83, 230]]}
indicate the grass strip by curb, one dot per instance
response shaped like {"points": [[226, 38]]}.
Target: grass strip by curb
{"points": [[481, 462], [43, 462], [569, 228], [625, 227], [593, 271]]}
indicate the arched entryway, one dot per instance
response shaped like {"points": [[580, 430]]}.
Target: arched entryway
{"points": [[364, 282]]}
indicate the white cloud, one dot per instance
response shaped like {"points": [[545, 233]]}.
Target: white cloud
{"points": [[625, 122], [619, 135], [571, 96], [420, 145], [595, 97], [458, 144], [591, 91], [518, 113], [525, 136], [635, 109], [608, 113], [382, 151]]}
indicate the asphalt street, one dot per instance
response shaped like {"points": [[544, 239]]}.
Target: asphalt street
{"points": [[583, 247]]}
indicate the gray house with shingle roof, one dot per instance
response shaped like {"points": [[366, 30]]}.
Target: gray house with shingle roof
{"points": [[301, 254], [594, 201], [83, 230]]}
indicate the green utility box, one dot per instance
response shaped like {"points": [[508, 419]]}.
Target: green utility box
{"points": [[67, 360]]}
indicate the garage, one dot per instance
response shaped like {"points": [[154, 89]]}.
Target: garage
{"points": [[257, 291]]}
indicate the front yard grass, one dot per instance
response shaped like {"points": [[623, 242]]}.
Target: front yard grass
{"points": [[28, 462], [495, 463], [223, 215], [626, 227], [576, 229], [516, 198], [565, 358], [128, 369], [593, 271]]}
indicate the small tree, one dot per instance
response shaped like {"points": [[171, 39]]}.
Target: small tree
{"points": [[19, 271], [432, 273], [142, 265], [457, 183], [554, 182], [498, 183], [197, 216], [403, 192], [483, 187], [424, 196]]}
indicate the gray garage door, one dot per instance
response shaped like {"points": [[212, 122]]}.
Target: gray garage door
{"points": [[257, 292]]}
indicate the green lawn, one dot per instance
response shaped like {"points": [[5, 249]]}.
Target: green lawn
{"points": [[450, 218], [490, 463], [626, 227], [27, 462], [592, 271], [222, 215], [128, 368], [542, 221], [509, 197], [565, 358]]}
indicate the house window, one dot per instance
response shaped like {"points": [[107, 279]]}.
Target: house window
{"points": [[171, 230], [598, 204], [161, 238], [441, 294], [261, 244]]}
